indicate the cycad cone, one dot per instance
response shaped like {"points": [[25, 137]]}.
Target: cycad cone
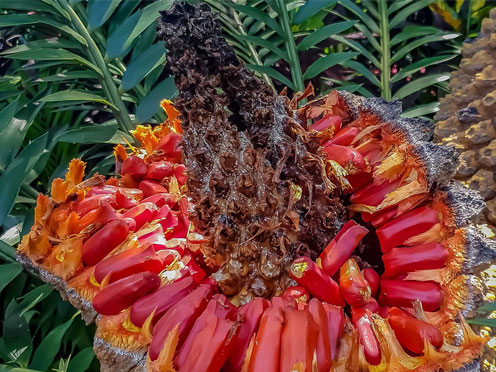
{"points": [[467, 120], [467, 116]]}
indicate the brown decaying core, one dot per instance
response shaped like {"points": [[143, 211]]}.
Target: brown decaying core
{"points": [[254, 175]]}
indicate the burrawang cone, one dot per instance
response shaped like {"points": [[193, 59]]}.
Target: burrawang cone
{"points": [[249, 234], [466, 117]]}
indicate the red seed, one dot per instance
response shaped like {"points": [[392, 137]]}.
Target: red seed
{"points": [[266, 348], [354, 288], [207, 317], [170, 222], [180, 228], [180, 173], [178, 232], [373, 194], [133, 193], [161, 300], [373, 279], [383, 311], [298, 340], [412, 332], [341, 247], [357, 180], [298, 294], [131, 261], [170, 145], [397, 231], [251, 314], [218, 307], [112, 190], [142, 213], [367, 217], [104, 241], [123, 293], [93, 202], [224, 308], [98, 217], [193, 269], [159, 170], [131, 224], [307, 274], [323, 351], [150, 188], [335, 326], [371, 347], [209, 342], [122, 201], [160, 199], [358, 312], [151, 234], [211, 282], [163, 213], [407, 259], [380, 218], [183, 313], [332, 122], [133, 166], [347, 157], [402, 293], [343, 138]]}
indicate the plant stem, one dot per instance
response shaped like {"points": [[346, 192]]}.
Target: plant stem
{"points": [[291, 47], [121, 114], [385, 51]]}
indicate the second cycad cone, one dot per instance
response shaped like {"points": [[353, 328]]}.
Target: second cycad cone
{"points": [[467, 117]]}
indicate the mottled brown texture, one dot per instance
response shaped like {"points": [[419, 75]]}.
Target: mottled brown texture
{"points": [[466, 117], [248, 161]]}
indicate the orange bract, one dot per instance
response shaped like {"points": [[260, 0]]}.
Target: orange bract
{"points": [[62, 188]]}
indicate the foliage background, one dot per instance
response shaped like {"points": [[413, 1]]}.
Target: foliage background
{"points": [[76, 76]]}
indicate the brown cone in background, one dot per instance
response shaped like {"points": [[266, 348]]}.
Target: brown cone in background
{"points": [[467, 117]]}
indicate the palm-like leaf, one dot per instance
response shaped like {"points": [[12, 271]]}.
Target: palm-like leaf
{"points": [[264, 32], [39, 327], [388, 43], [267, 33]]}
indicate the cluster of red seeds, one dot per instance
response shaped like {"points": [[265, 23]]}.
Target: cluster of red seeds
{"points": [[360, 288]]}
